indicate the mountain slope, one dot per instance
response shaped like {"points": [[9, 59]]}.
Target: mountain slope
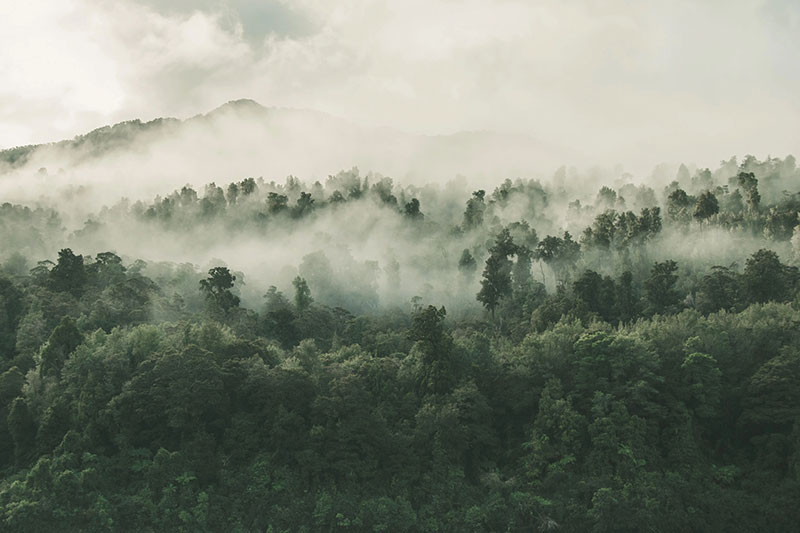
{"points": [[243, 138]]}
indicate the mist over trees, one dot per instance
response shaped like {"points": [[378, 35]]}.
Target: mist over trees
{"points": [[579, 353]]}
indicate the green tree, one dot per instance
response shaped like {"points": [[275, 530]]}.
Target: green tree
{"points": [[22, 428], [702, 384], [496, 282], [766, 278], [718, 290], [626, 300], [12, 308], [411, 210], [748, 182], [662, 296], [598, 293], [473, 214], [706, 206], [217, 288], [62, 342], [679, 204], [436, 349], [772, 401], [302, 294], [68, 275]]}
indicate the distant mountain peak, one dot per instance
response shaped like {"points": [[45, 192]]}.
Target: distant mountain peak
{"points": [[243, 104]]}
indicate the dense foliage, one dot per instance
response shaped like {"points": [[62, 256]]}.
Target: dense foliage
{"points": [[578, 383]]}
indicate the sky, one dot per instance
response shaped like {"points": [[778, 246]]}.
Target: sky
{"points": [[618, 81]]}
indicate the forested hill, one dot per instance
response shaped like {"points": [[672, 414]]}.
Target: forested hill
{"points": [[243, 137], [366, 356], [121, 136]]}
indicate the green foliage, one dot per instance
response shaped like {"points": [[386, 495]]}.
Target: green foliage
{"points": [[302, 294], [707, 206], [68, 275], [496, 282], [662, 295], [217, 288], [62, 342], [632, 395]]}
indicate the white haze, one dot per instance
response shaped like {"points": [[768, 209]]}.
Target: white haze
{"points": [[461, 95], [607, 82]]}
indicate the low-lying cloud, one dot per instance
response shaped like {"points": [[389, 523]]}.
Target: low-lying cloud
{"points": [[614, 81]]}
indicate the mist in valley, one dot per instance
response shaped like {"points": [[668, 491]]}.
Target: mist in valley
{"points": [[379, 266]]}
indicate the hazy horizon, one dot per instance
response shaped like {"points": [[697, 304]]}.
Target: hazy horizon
{"points": [[611, 83]]}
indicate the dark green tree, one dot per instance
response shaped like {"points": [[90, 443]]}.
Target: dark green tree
{"points": [[748, 182], [718, 290], [217, 288], [626, 300], [62, 342], [496, 282], [706, 206], [766, 278], [69, 274], [598, 293], [12, 307], [439, 373], [679, 205], [662, 296], [302, 294], [411, 210], [22, 428]]}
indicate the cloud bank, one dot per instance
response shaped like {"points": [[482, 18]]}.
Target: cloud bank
{"points": [[616, 81]]}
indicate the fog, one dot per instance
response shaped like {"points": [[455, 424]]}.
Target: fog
{"points": [[605, 83], [162, 193], [243, 139], [540, 104]]}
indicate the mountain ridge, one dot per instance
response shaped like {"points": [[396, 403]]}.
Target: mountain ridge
{"points": [[103, 139]]}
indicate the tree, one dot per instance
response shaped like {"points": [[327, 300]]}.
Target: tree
{"points": [[69, 274], [766, 278], [706, 206], [678, 205], [718, 290], [597, 292], [473, 214], [233, 193], [12, 307], [411, 209], [305, 204], [701, 384], [62, 342], [558, 252], [302, 294], [106, 270], [660, 291], [555, 442], [748, 182], [467, 264], [248, 186], [436, 348], [521, 274], [22, 428], [277, 203], [626, 300], [606, 198], [773, 392], [217, 288], [496, 282]]}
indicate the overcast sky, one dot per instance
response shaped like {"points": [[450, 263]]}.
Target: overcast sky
{"points": [[620, 80]]}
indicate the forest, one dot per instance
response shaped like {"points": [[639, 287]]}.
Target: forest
{"points": [[585, 352]]}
